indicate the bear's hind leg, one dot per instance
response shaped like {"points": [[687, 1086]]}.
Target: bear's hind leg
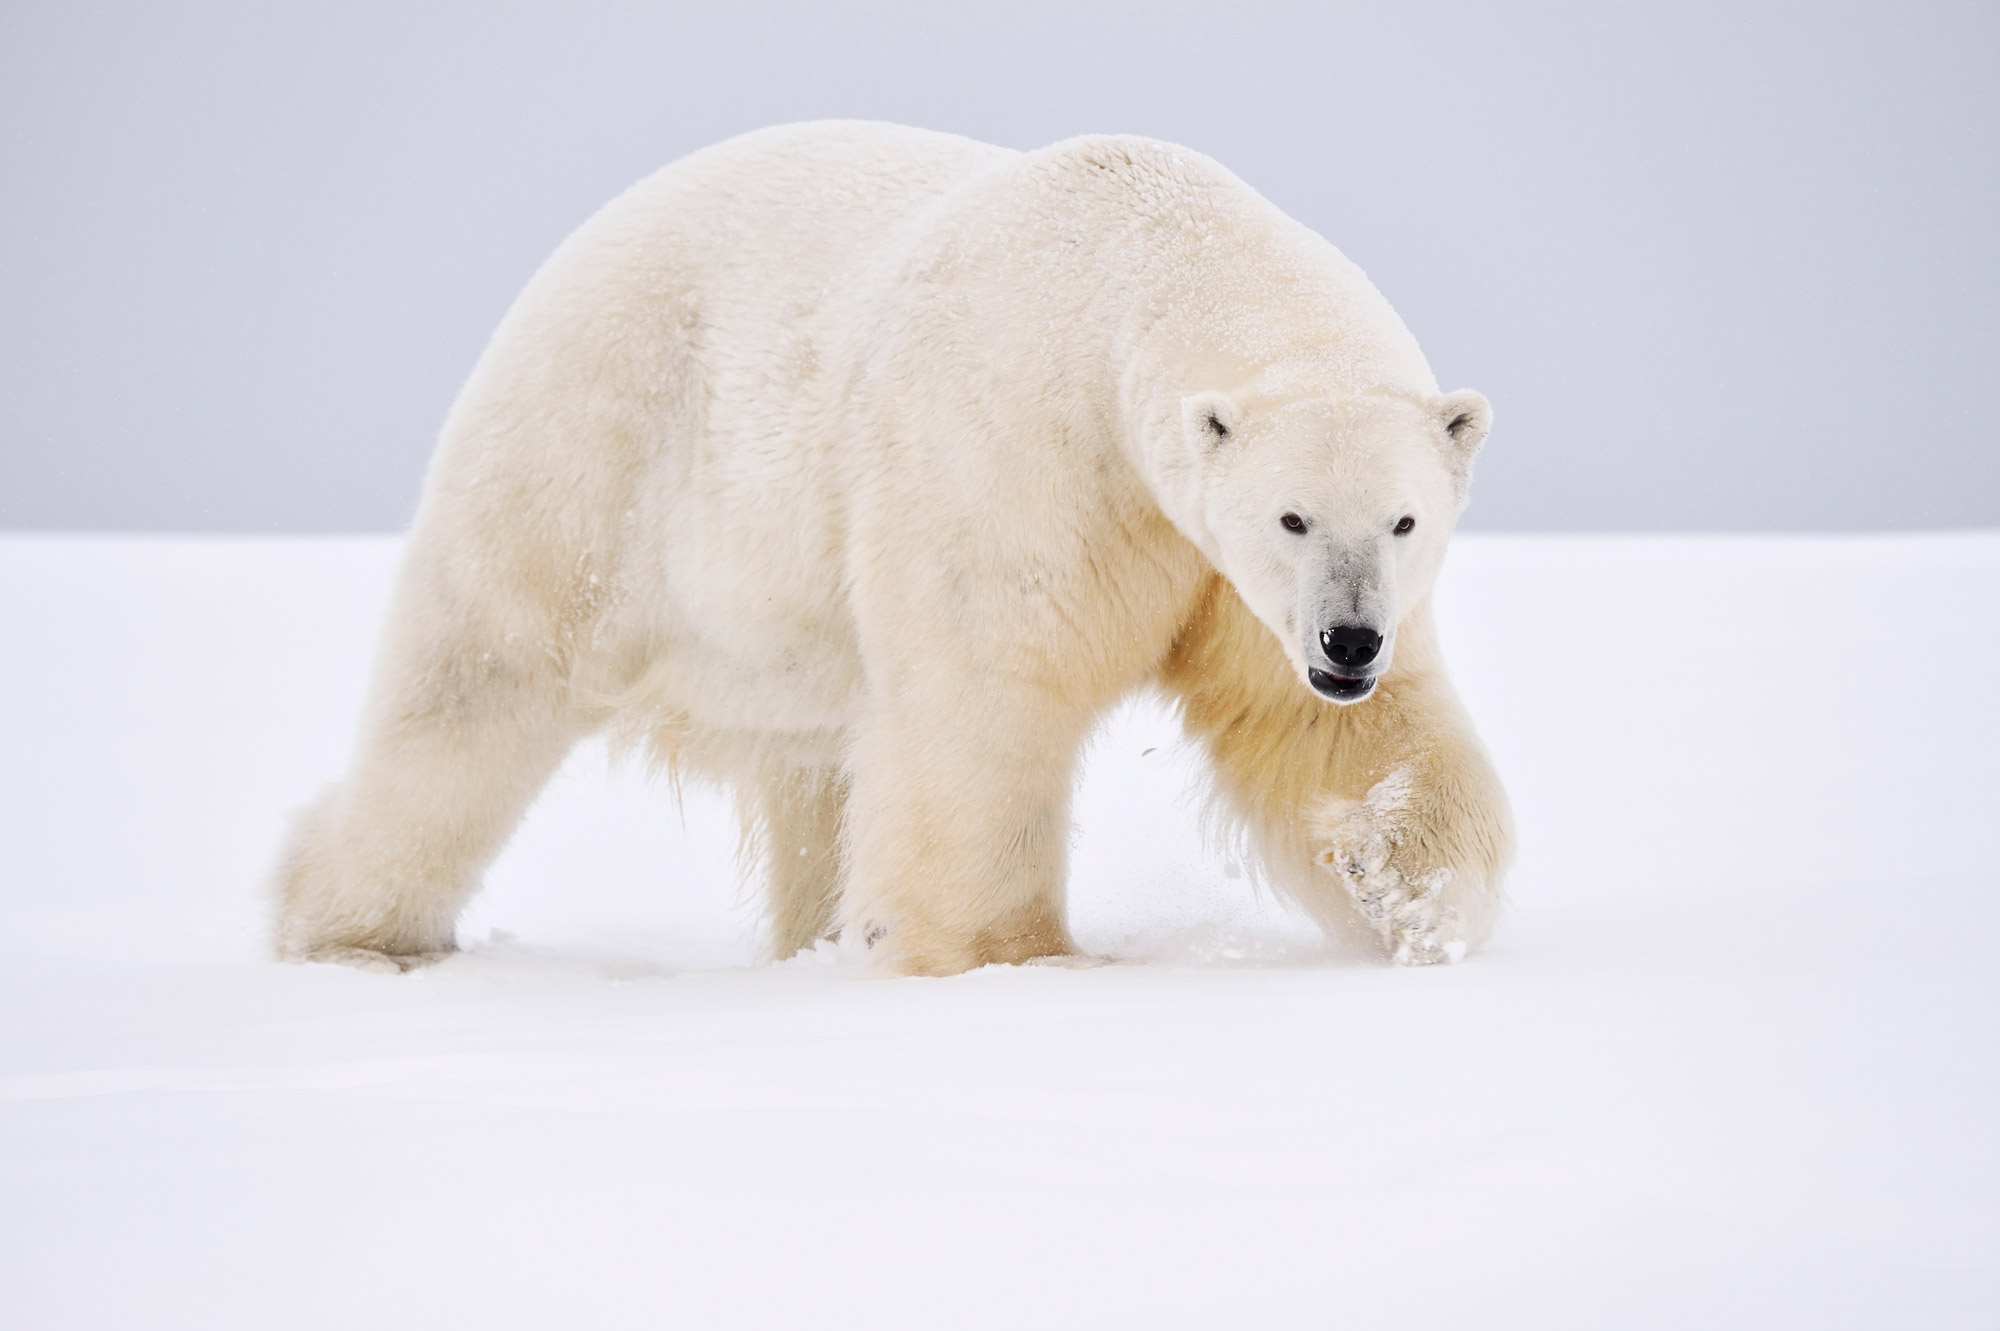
{"points": [[799, 812], [457, 741]]}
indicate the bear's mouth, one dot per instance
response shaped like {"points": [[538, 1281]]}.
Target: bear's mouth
{"points": [[1340, 688]]}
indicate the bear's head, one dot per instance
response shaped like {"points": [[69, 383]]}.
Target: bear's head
{"points": [[1329, 514]]}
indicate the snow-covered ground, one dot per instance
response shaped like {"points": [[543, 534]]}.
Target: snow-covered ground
{"points": [[1731, 1060]]}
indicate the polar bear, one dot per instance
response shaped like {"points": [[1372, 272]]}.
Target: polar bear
{"points": [[862, 469]]}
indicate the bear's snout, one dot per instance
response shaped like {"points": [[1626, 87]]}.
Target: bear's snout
{"points": [[1350, 646], [1351, 651]]}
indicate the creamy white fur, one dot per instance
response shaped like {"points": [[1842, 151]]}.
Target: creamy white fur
{"points": [[861, 469]]}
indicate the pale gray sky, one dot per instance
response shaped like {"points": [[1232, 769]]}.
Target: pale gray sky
{"points": [[1722, 266]]}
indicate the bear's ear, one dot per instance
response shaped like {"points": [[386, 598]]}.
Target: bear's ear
{"points": [[1208, 419], [1465, 417]]}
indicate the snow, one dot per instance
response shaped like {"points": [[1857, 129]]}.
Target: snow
{"points": [[1730, 1061]]}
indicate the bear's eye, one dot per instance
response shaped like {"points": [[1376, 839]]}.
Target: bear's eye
{"points": [[1216, 427], [1293, 522], [1404, 527]]}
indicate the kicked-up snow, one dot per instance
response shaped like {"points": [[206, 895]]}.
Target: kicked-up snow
{"points": [[1732, 1058]]}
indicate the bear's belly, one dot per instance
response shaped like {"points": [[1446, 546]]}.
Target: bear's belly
{"points": [[745, 635], [710, 686]]}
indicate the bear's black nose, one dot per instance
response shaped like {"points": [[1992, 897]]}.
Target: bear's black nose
{"points": [[1350, 644]]}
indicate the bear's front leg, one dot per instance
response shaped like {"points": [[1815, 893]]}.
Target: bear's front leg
{"points": [[1415, 829], [1385, 814], [958, 832]]}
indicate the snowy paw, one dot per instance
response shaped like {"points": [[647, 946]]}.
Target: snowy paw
{"points": [[1070, 961], [368, 959], [1366, 850]]}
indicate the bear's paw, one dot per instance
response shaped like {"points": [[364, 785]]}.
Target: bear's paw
{"points": [[368, 959], [1367, 847]]}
